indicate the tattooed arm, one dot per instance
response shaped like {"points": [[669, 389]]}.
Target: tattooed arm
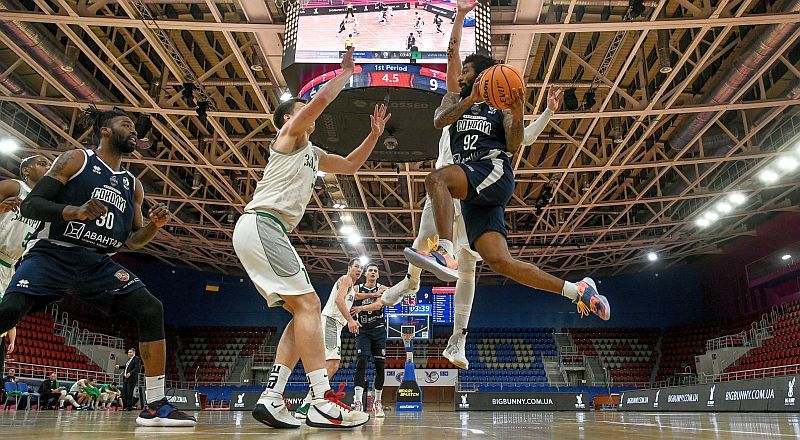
{"points": [[453, 56], [512, 121], [451, 109]]}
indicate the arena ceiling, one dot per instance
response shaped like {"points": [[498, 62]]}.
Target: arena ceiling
{"points": [[692, 99]]}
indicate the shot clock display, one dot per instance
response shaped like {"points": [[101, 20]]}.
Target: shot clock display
{"points": [[384, 75]]}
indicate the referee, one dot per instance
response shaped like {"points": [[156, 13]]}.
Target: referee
{"points": [[371, 339]]}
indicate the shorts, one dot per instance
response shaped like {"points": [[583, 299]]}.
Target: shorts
{"points": [[269, 258], [5, 277], [371, 342], [52, 272], [332, 337], [491, 185]]}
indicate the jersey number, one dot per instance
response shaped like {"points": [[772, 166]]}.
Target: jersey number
{"points": [[469, 141], [106, 220]]}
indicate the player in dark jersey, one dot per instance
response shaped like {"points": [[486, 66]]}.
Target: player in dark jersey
{"points": [[91, 207], [482, 140], [438, 22], [371, 338]]}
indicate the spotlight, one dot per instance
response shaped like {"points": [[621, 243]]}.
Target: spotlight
{"points": [[8, 146], [364, 260], [652, 256], [188, 94], [724, 207], [346, 217], [341, 206], [588, 99], [703, 223], [286, 96], [768, 176], [737, 198], [346, 230], [786, 257], [570, 100], [787, 163], [202, 110], [354, 238], [711, 216], [196, 183]]}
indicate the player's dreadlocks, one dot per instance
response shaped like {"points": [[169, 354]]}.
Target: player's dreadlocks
{"points": [[94, 118]]}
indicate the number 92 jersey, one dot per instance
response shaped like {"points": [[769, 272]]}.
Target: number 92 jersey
{"points": [[115, 189], [478, 133]]}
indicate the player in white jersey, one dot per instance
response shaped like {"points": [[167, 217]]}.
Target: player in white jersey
{"points": [[15, 230], [273, 265], [335, 316], [465, 285]]}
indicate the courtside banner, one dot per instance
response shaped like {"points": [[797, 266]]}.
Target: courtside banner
{"points": [[425, 377], [477, 401], [184, 400], [637, 400]]}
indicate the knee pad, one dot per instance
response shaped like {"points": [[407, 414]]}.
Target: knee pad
{"points": [[380, 373]]}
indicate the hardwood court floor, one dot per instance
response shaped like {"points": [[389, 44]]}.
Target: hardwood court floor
{"points": [[429, 425]]}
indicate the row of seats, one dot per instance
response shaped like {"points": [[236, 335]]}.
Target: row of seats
{"points": [[783, 348]]}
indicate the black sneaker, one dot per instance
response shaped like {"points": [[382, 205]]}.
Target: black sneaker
{"points": [[161, 413]]}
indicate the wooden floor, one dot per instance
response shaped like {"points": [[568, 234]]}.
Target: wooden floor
{"points": [[430, 425]]}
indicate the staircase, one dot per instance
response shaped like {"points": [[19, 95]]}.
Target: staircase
{"points": [[595, 370], [564, 342], [657, 351], [240, 370], [555, 376]]}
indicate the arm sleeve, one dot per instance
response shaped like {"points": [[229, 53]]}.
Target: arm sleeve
{"points": [[39, 205], [533, 130]]}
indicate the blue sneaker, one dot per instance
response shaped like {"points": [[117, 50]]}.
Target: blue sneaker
{"points": [[589, 300], [161, 413]]}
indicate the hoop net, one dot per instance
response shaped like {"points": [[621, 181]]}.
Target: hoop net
{"points": [[408, 335]]}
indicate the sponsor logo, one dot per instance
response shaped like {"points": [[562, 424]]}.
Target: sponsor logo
{"points": [[111, 196], [407, 392], [113, 180], [22, 283], [579, 402], [177, 399], [655, 401], [74, 230], [519, 401], [409, 406], [239, 401], [464, 404], [431, 376], [96, 169], [710, 402], [641, 400], [126, 183], [682, 398], [789, 401], [122, 276], [763, 394]]}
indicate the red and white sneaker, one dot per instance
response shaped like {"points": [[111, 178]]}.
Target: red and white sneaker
{"points": [[436, 260], [272, 412], [589, 300], [377, 408], [330, 412]]}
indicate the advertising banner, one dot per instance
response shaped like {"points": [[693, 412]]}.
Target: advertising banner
{"points": [[637, 400], [184, 400], [521, 401], [425, 377]]}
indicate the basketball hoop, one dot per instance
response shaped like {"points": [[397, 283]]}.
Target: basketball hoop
{"points": [[407, 337], [407, 332]]}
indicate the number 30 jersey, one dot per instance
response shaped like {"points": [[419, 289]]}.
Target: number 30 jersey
{"points": [[115, 189], [478, 133]]}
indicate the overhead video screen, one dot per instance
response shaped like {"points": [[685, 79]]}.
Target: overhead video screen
{"points": [[380, 31]]}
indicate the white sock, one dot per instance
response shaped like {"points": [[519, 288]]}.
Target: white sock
{"points": [[464, 294], [319, 383], [358, 392], [447, 245], [414, 273], [154, 386], [276, 383], [378, 394], [570, 290], [308, 397]]}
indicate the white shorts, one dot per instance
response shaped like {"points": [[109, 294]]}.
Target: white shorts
{"points": [[269, 258], [5, 277], [332, 337], [427, 228]]}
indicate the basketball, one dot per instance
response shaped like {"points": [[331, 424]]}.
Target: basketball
{"points": [[495, 85]]}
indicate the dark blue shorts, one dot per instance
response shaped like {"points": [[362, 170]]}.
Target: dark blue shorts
{"points": [[371, 342], [54, 271], [491, 185]]}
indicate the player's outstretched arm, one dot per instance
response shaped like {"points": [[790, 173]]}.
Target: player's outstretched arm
{"points": [[9, 196], [158, 215], [453, 56], [306, 116], [333, 163], [533, 130], [39, 204], [512, 120]]}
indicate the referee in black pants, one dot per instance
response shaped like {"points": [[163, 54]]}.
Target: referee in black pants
{"points": [[371, 338], [130, 378]]}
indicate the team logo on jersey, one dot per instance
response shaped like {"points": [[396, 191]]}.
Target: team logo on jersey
{"points": [[476, 108], [74, 230], [126, 183], [122, 276], [96, 169], [113, 180]]}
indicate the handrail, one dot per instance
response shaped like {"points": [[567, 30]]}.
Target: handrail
{"points": [[38, 372]]}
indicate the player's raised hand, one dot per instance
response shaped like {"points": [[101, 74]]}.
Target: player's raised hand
{"points": [[91, 210], [348, 65], [466, 5], [517, 102], [10, 204], [378, 119], [554, 96], [158, 214]]}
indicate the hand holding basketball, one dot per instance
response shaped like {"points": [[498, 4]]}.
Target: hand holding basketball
{"points": [[517, 106], [496, 83], [158, 214]]}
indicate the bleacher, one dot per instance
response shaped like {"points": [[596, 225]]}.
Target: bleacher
{"points": [[627, 353], [783, 348], [209, 353], [37, 344]]}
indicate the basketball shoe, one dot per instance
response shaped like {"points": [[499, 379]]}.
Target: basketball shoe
{"points": [[358, 406], [271, 411], [302, 412], [377, 408], [455, 352], [589, 300], [436, 260], [330, 412], [161, 413], [393, 295]]}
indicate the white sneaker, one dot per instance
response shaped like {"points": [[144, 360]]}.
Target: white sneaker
{"points": [[302, 412], [330, 412], [395, 294], [358, 406], [454, 352], [272, 412], [377, 407]]}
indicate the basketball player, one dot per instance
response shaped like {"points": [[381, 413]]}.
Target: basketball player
{"points": [[272, 263], [341, 27], [418, 25], [336, 316], [465, 285], [482, 141], [438, 22], [348, 43], [91, 207], [384, 17], [411, 41], [371, 338], [350, 11], [355, 26], [15, 230]]}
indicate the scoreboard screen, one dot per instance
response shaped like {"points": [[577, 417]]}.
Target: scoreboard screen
{"points": [[383, 75], [436, 302]]}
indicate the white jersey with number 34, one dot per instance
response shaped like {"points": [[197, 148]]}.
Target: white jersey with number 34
{"points": [[16, 230]]}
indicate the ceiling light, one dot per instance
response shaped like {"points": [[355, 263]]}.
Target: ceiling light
{"points": [[768, 176], [8, 146], [711, 216], [346, 230], [364, 260], [787, 163], [737, 198], [341, 206], [786, 257], [346, 217], [652, 256], [724, 207], [703, 223], [354, 238], [286, 96]]}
